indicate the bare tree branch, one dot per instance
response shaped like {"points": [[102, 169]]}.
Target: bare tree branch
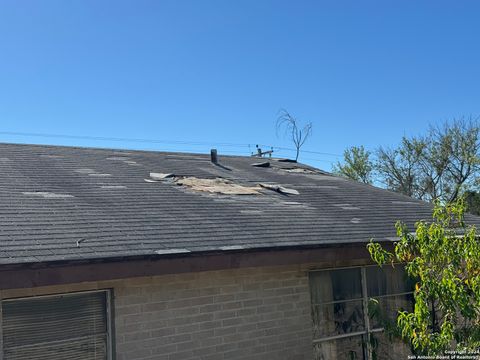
{"points": [[440, 165], [293, 129]]}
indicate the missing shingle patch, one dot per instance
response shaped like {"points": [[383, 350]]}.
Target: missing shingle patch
{"points": [[131, 162], [251, 212], [85, 171], [124, 159], [300, 171], [99, 175], [49, 156], [218, 185], [47, 195], [171, 251], [232, 247], [118, 158], [347, 206], [355, 220], [90, 172], [113, 187], [4, 159], [405, 203]]}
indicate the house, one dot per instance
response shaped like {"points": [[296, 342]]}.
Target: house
{"points": [[113, 254]]}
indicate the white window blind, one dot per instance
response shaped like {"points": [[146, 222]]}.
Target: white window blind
{"points": [[70, 326]]}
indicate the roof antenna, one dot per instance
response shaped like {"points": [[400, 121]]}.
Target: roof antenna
{"points": [[261, 153]]}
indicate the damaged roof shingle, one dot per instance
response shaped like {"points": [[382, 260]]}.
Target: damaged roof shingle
{"points": [[52, 196]]}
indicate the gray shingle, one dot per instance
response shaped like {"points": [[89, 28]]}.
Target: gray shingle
{"points": [[66, 203]]}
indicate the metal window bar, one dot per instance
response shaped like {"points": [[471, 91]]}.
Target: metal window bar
{"points": [[340, 336], [110, 328], [392, 294], [347, 267], [368, 330], [337, 301], [361, 298], [366, 318], [341, 268], [1, 331]]}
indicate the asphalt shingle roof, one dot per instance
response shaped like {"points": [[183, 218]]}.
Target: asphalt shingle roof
{"points": [[66, 203]]}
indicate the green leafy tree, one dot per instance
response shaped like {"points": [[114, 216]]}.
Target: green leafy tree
{"points": [[438, 166], [443, 256], [356, 165], [441, 165], [399, 168]]}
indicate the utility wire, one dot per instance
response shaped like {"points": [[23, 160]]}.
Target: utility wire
{"points": [[302, 151], [170, 142], [104, 138]]}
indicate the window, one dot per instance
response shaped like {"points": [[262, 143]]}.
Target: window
{"points": [[343, 326], [68, 326]]}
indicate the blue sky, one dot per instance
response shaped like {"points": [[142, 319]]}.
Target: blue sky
{"points": [[201, 74]]}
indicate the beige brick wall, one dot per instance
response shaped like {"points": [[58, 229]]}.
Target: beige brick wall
{"points": [[256, 313], [251, 313]]}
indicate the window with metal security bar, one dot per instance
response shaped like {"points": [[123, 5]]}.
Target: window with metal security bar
{"points": [[348, 324], [69, 326]]}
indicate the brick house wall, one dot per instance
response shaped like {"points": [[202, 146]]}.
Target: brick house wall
{"points": [[249, 313]]}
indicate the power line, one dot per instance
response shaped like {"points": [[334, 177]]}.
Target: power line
{"points": [[105, 138], [170, 142], [316, 159], [303, 151]]}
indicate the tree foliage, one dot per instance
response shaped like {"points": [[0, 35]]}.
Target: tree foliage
{"points": [[294, 130], [399, 168], [440, 165], [356, 166], [443, 256]]}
